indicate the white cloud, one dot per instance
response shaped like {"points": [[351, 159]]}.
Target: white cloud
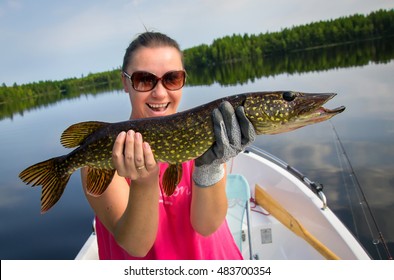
{"points": [[91, 35]]}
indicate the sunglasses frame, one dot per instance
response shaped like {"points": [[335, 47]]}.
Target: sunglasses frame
{"points": [[130, 77]]}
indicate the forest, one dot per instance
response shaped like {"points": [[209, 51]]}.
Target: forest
{"points": [[314, 35], [260, 55]]}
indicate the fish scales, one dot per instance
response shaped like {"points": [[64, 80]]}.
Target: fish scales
{"points": [[173, 139]]}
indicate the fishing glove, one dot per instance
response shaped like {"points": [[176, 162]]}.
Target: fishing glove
{"points": [[233, 132]]}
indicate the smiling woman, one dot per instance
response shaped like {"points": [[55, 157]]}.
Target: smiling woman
{"points": [[366, 133], [147, 92], [133, 222], [30, 134]]}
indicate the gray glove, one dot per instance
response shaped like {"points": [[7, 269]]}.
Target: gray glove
{"points": [[233, 132]]}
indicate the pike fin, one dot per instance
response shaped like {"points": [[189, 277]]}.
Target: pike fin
{"points": [[52, 178], [98, 180], [171, 178], [74, 135]]}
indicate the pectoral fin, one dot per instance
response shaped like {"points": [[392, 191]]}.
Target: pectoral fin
{"points": [[171, 178], [98, 180]]}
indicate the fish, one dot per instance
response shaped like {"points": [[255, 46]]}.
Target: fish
{"points": [[173, 139]]}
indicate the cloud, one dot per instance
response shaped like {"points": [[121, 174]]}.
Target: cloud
{"points": [[91, 35]]}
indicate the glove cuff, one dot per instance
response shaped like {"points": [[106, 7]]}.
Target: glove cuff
{"points": [[208, 174]]}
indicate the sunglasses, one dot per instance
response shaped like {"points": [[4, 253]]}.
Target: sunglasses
{"points": [[144, 81]]}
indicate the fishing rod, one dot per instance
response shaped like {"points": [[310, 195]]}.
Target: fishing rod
{"points": [[357, 183]]}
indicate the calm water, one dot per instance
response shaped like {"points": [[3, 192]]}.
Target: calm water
{"points": [[366, 130]]}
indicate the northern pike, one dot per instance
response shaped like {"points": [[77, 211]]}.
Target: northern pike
{"points": [[173, 139]]}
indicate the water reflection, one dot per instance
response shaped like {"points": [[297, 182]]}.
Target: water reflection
{"points": [[365, 129], [324, 162], [323, 59], [343, 56]]}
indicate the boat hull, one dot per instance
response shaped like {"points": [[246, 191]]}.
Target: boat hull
{"points": [[269, 238]]}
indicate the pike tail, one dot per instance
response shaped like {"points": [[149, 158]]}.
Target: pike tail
{"points": [[51, 176]]}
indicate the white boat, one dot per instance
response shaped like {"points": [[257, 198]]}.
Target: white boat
{"points": [[299, 225]]}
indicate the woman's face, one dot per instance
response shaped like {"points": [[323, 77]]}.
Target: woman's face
{"points": [[159, 101]]}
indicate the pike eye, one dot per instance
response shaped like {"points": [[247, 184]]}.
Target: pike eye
{"points": [[289, 96]]}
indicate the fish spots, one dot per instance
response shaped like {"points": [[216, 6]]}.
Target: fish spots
{"points": [[181, 144]]}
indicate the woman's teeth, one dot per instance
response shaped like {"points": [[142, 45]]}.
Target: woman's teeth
{"points": [[158, 107]]}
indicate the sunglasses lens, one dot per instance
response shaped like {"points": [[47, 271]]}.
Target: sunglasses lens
{"points": [[143, 81], [174, 80]]}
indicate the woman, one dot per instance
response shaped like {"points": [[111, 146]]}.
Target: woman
{"points": [[134, 218]]}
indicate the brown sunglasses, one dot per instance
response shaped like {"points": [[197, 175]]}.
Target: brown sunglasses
{"points": [[144, 81]]}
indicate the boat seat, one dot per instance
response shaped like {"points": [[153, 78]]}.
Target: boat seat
{"points": [[238, 195]]}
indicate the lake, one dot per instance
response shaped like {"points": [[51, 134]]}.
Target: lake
{"points": [[353, 151]]}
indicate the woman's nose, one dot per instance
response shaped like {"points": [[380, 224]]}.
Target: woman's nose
{"points": [[159, 90]]}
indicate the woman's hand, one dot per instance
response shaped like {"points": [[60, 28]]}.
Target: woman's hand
{"points": [[133, 158], [137, 222], [233, 132]]}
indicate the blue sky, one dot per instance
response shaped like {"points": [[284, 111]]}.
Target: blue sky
{"points": [[53, 40]]}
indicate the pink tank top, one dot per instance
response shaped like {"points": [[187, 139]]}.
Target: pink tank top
{"points": [[176, 238]]}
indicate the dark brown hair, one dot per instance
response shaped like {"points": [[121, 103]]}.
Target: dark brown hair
{"points": [[149, 40]]}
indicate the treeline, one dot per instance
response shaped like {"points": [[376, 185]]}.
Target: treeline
{"points": [[257, 55], [323, 59], [70, 87], [318, 34], [17, 99], [339, 56]]}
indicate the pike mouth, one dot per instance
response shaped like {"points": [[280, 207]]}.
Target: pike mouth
{"points": [[158, 107], [312, 100], [322, 114], [324, 111]]}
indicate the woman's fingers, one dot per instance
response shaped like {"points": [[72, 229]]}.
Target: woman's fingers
{"points": [[129, 150], [139, 161], [132, 157], [150, 162], [118, 153]]}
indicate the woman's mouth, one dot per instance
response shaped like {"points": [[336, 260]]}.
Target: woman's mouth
{"points": [[158, 107]]}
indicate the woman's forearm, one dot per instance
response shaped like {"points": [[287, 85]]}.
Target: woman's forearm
{"points": [[136, 230], [209, 207]]}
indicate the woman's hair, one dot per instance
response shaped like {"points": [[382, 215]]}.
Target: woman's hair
{"points": [[149, 40]]}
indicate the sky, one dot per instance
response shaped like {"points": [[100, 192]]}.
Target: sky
{"points": [[44, 40]]}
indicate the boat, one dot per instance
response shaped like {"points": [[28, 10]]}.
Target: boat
{"points": [[276, 213]]}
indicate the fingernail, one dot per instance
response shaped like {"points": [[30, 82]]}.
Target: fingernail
{"points": [[130, 133], [121, 134]]}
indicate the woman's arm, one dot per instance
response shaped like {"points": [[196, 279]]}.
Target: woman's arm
{"points": [[233, 132], [209, 207], [130, 213]]}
